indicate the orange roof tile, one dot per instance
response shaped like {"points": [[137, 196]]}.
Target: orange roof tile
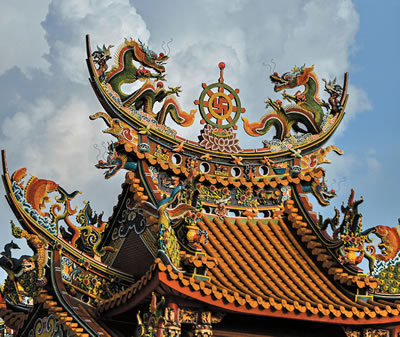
{"points": [[263, 269]]}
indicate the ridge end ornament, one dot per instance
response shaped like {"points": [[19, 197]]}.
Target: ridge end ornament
{"points": [[220, 112]]}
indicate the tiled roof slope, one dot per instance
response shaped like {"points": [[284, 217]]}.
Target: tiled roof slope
{"points": [[271, 267], [265, 259], [320, 248]]}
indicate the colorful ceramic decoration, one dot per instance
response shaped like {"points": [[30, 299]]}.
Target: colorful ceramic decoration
{"points": [[206, 238]]}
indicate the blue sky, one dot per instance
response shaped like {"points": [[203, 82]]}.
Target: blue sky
{"points": [[372, 138], [46, 98]]}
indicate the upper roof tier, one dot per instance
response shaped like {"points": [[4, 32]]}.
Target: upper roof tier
{"points": [[304, 124]]}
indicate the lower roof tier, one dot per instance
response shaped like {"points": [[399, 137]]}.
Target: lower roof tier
{"points": [[262, 268]]}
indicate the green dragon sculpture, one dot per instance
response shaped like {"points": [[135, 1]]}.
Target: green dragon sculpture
{"points": [[305, 107], [125, 71]]}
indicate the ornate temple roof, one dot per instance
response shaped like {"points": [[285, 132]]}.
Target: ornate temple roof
{"points": [[202, 230]]}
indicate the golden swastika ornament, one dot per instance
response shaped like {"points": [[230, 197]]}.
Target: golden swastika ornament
{"points": [[223, 105]]}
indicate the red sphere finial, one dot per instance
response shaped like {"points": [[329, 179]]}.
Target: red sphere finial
{"points": [[221, 66]]}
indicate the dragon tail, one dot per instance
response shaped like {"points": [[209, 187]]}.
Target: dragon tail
{"points": [[178, 115], [334, 148], [103, 251], [180, 211], [103, 116], [268, 121]]}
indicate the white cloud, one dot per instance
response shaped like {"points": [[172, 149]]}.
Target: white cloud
{"points": [[55, 137], [52, 135], [215, 8], [56, 143], [107, 22], [20, 26], [358, 102], [292, 33], [55, 129]]}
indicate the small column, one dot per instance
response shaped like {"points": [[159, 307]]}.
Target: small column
{"points": [[172, 327], [296, 167], [203, 326], [143, 142]]}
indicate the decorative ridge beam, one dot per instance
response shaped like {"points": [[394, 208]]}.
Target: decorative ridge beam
{"points": [[273, 181], [299, 202], [71, 306]]}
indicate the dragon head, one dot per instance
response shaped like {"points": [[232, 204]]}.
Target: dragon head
{"points": [[321, 192], [150, 58], [319, 188], [296, 77], [114, 162]]}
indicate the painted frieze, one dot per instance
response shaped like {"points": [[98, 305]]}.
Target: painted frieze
{"points": [[48, 326]]}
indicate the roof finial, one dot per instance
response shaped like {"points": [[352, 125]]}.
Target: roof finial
{"points": [[221, 66]]}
